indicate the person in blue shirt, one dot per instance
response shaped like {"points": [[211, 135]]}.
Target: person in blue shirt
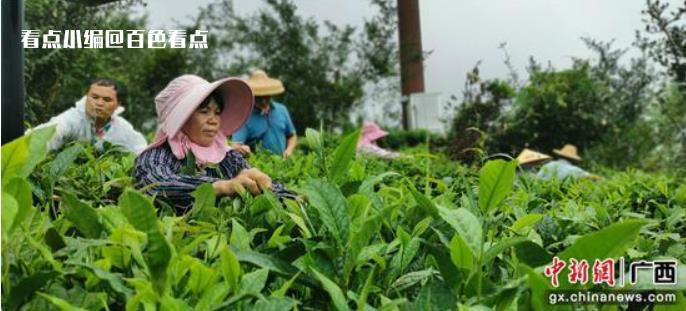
{"points": [[270, 125], [563, 168]]}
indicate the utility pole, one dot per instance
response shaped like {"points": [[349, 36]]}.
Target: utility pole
{"points": [[411, 57], [12, 70]]}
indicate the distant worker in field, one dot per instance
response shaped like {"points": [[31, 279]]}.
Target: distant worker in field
{"points": [[371, 132], [529, 160], [95, 118], [270, 124], [563, 166]]}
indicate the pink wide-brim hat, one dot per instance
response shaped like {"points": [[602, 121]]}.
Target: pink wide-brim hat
{"points": [[182, 96], [371, 132]]}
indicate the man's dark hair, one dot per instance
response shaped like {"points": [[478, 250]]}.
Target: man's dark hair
{"points": [[109, 82], [217, 98]]}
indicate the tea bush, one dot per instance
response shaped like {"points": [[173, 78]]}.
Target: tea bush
{"points": [[417, 233]]}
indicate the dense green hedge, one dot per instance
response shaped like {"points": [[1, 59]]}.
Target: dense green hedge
{"points": [[417, 233]]}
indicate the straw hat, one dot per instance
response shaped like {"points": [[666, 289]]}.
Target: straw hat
{"points": [[528, 156], [179, 99], [568, 151], [262, 85]]}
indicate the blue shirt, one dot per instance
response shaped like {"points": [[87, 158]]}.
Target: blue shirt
{"points": [[271, 130]]}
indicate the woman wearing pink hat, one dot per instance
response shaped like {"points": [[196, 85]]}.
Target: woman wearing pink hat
{"points": [[371, 132], [195, 117]]}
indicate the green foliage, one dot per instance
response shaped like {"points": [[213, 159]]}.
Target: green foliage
{"points": [[610, 242], [20, 156], [334, 291], [57, 78], [669, 114], [403, 139], [664, 38], [417, 233], [343, 156], [461, 254], [564, 106], [307, 56], [610, 108], [332, 208], [140, 213], [480, 112], [413, 233], [84, 217], [324, 67], [495, 183], [466, 225]]}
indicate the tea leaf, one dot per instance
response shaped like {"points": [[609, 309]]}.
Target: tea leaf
{"points": [[275, 304], [213, 296], [28, 286], [495, 183], [141, 214], [20, 190], [500, 247], [281, 292], [412, 278], [240, 238], [253, 282], [332, 208], [435, 296], [204, 199], [359, 239], [610, 242], [230, 267], [532, 254], [466, 225], [84, 217], [20, 156], [460, 253], [60, 303], [334, 291], [201, 277], [528, 220], [342, 157], [425, 203], [10, 208]]}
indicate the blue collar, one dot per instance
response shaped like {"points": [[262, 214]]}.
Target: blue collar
{"points": [[257, 110]]}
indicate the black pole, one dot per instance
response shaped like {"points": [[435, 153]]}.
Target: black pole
{"points": [[12, 70]]}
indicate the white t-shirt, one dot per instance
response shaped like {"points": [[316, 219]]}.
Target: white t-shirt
{"points": [[561, 169], [76, 124]]}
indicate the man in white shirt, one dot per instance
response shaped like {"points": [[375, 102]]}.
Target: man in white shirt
{"points": [[95, 118]]}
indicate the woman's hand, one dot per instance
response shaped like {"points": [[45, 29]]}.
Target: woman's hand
{"points": [[238, 184], [251, 180], [244, 150], [263, 181]]}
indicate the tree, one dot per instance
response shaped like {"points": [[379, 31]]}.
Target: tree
{"points": [[56, 78], [554, 108], [629, 137], [665, 38], [325, 68], [478, 116]]}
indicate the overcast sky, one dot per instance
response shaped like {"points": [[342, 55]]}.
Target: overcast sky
{"points": [[459, 33]]}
